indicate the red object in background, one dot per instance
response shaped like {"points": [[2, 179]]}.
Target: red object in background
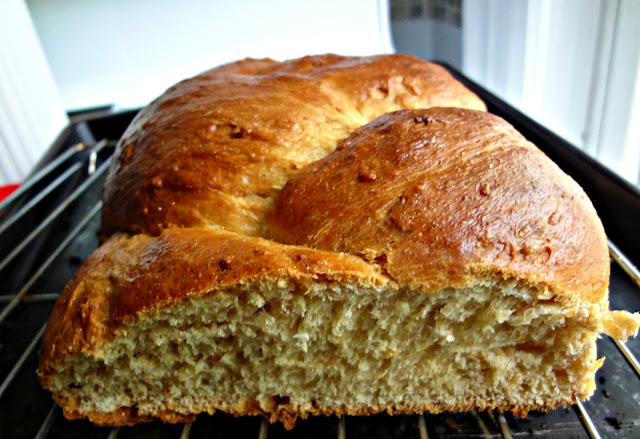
{"points": [[6, 190]]}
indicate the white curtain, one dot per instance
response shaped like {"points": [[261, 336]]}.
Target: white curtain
{"points": [[573, 65]]}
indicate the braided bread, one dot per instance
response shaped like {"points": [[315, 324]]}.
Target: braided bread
{"points": [[331, 235]]}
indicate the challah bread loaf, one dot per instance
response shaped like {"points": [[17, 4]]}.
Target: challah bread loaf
{"points": [[434, 261]]}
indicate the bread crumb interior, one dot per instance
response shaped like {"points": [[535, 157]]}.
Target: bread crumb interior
{"points": [[314, 347]]}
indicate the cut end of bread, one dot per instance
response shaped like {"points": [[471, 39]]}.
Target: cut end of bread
{"points": [[289, 349]]}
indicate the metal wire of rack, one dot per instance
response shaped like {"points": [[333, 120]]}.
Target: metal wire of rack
{"points": [[51, 225]]}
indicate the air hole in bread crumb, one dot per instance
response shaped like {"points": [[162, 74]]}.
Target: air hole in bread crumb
{"points": [[281, 400], [381, 259]]}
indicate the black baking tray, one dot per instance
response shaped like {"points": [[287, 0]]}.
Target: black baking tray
{"points": [[26, 410]]}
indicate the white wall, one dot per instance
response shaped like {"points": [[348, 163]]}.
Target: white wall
{"points": [[127, 52], [31, 113]]}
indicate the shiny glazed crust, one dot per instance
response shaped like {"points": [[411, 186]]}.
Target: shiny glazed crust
{"points": [[216, 149], [443, 197], [421, 199]]}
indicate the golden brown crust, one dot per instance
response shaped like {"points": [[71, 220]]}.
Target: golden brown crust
{"points": [[130, 415], [215, 149], [379, 84], [444, 197], [124, 416], [247, 66], [131, 275]]}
